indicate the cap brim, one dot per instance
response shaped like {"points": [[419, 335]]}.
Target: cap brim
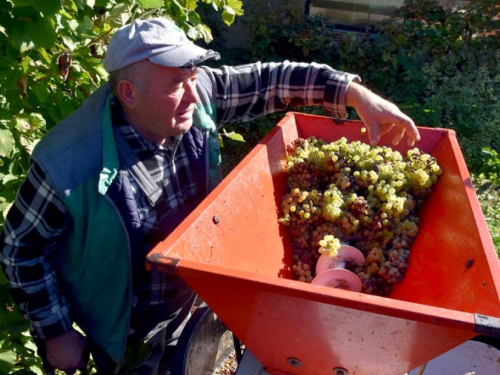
{"points": [[187, 55]]}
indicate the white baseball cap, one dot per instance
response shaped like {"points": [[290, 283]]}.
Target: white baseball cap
{"points": [[158, 40]]}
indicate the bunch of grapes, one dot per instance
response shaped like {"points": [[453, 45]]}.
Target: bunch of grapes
{"points": [[353, 193]]}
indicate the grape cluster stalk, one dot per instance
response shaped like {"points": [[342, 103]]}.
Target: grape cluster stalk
{"points": [[357, 194]]}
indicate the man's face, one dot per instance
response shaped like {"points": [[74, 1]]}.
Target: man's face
{"points": [[164, 107]]}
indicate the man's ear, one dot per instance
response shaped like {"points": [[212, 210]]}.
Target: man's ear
{"points": [[126, 93]]}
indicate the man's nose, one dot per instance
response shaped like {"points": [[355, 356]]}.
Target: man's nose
{"points": [[190, 93]]}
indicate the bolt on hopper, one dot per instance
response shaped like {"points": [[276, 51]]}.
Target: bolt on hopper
{"points": [[238, 258]]}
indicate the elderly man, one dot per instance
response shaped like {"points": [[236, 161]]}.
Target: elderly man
{"points": [[118, 175]]}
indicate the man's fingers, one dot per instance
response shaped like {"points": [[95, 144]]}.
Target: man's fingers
{"points": [[386, 128], [411, 130], [398, 136], [373, 132]]}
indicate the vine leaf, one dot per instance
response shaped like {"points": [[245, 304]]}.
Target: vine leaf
{"points": [[47, 7], [234, 136], [6, 142], [42, 33], [7, 361], [150, 4]]}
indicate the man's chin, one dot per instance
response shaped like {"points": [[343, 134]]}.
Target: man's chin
{"points": [[183, 127]]}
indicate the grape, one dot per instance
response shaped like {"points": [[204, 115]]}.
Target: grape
{"points": [[354, 193]]}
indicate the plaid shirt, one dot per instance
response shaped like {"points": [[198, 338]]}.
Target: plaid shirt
{"points": [[38, 215]]}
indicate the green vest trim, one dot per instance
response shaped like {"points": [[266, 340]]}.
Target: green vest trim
{"points": [[204, 118], [96, 270]]}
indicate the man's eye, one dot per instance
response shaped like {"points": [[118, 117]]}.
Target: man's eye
{"points": [[176, 87]]}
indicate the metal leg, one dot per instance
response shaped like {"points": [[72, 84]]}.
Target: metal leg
{"points": [[249, 365]]}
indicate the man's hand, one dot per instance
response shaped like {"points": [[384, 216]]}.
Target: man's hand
{"points": [[68, 352], [380, 115]]}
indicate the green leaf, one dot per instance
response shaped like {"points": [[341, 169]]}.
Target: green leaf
{"points": [[150, 4], [234, 136], [43, 53], [194, 18], [118, 16], [191, 4], [5, 114], [70, 43], [41, 91], [70, 5], [26, 63], [7, 361], [227, 18], [236, 5], [205, 32], [37, 121], [85, 26], [192, 33], [47, 7], [229, 10], [22, 3], [9, 177], [3, 280], [73, 24], [11, 320], [7, 142], [42, 33], [23, 123]]}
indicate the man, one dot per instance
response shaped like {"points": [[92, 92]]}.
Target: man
{"points": [[118, 175]]}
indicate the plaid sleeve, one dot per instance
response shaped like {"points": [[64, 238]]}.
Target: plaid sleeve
{"points": [[248, 91], [37, 216]]}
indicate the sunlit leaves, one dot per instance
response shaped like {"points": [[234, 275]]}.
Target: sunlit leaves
{"points": [[7, 142], [234, 136], [118, 16], [150, 4], [42, 33], [7, 360], [51, 61], [200, 31], [231, 10]]}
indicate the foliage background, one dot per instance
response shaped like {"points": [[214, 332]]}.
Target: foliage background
{"points": [[50, 61], [440, 66]]}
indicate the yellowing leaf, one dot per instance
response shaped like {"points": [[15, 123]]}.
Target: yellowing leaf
{"points": [[234, 136], [6, 142], [150, 4]]}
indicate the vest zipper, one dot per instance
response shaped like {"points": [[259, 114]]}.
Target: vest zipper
{"points": [[174, 171]]}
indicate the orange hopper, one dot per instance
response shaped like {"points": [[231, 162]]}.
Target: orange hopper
{"points": [[237, 257]]}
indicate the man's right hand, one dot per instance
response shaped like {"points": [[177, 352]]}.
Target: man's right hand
{"points": [[68, 352], [380, 116]]}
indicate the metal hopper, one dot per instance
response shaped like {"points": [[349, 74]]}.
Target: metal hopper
{"points": [[238, 258]]}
